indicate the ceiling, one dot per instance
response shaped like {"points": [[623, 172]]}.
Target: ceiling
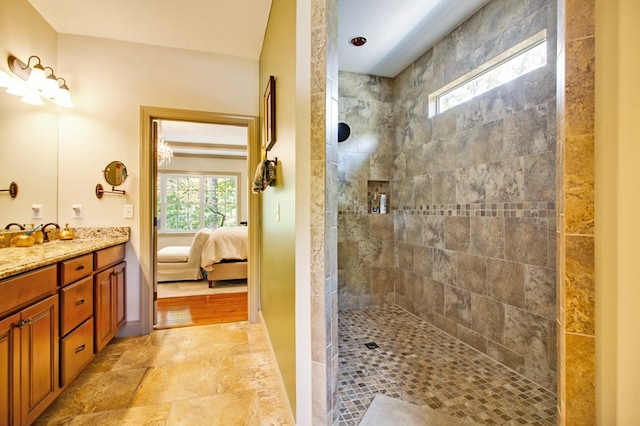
{"points": [[398, 32], [188, 139]]}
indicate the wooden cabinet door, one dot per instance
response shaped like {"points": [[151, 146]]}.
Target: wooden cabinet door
{"points": [[119, 272], [9, 370], [39, 358], [104, 309]]}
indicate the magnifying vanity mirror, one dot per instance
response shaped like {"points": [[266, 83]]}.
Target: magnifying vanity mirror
{"points": [[115, 174]]}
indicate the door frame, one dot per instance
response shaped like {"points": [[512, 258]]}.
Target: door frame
{"points": [[148, 176]]}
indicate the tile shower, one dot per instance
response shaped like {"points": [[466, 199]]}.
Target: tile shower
{"points": [[469, 243]]}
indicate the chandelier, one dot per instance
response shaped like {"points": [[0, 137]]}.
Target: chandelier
{"points": [[165, 153]]}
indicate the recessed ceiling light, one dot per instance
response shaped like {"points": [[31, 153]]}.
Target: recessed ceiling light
{"points": [[358, 41]]}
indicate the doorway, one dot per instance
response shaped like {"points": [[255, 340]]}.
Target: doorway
{"points": [[149, 172]]}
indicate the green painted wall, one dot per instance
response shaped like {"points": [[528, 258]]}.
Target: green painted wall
{"points": [[277, 242]]}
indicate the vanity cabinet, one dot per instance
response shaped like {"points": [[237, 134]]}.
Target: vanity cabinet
{"points": [[29, 350], [109, 291], [53, 321]]}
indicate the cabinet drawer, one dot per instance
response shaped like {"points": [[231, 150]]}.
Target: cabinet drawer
{"points": [[76, 351], [29, 287], [77, 304], [108, 256], [73, 269]]}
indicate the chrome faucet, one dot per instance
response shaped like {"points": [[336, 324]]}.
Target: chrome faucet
{"points": [[47, 234], [16, 224]]}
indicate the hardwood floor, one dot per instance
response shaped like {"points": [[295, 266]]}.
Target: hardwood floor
{"points": [[200, 310]]}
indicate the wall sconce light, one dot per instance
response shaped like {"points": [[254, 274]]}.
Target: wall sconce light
{"points": [[32, 83]]}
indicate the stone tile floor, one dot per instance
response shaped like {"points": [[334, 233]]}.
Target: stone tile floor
{"points": [[222, 374], [420, 364]]}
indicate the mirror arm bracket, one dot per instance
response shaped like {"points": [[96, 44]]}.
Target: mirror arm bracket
{"points": [[100, 191], [13, 190]]}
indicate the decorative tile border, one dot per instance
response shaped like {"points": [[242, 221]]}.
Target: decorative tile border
{"points": [[522, 209]]}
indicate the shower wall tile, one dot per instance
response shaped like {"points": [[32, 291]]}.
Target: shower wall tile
{"points": [[540, 291], [422, 192], [434, 231], [526, 241], [423, 261], [457, 305], [471, 184], [580, 86], [579, 185], [433, 297], [505, 282], [444, 187], [525, 132], [539, 170], [405, 256], [526, 334], [505, 356], [581, 382], [414, 226], [471, 338], [487, 236], [472, 273], [504, 181], [580, 285], [488, 317], [444, 266], [381, 225], [456, 233]]}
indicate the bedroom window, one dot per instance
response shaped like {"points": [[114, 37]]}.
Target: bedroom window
{"points": [[525, 57], [188, 202]]}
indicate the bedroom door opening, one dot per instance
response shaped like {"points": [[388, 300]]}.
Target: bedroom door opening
{"points": [[202, 185]]}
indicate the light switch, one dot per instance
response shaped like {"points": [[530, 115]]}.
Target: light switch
{"points": [[128, 211], [77, 211]]}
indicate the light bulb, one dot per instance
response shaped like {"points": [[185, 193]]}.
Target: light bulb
{"points": [[16, 87], [4, 79], [32, 97], [37, 77], [64, 97], [51, 89]]}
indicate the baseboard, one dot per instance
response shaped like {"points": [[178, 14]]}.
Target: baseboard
{"points": [[131, 328], [283, 389]]}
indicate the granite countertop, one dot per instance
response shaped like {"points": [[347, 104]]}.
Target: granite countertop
{"points": [[16, 260]]}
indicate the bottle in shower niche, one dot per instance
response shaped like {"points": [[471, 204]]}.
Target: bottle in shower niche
{"points": [[375, 203], [383, 203]]}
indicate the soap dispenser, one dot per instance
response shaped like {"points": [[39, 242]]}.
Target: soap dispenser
{"points": [[66, 233], [375, 203]]}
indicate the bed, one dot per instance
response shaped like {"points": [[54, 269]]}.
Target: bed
{"points": [[224, 255]]}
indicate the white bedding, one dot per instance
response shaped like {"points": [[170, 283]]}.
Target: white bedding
{"points": [[228, 242]]}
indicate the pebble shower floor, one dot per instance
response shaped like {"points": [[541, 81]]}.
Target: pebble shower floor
{"points": [[420, 364]]}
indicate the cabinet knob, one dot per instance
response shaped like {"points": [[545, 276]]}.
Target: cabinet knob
{"points": [[79, 267], [80, 348], [79, 302]]}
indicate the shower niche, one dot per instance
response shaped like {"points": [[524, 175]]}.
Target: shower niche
{"points": [[378, 197]]}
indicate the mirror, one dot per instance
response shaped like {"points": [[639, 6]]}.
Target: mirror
{"points": [[115, 173], [28, 157]]}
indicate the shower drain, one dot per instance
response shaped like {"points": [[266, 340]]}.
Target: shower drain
{"points": [[371, 345]]}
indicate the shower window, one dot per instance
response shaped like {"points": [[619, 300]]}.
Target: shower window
{"points": [[188, 202], [511, 64]]}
